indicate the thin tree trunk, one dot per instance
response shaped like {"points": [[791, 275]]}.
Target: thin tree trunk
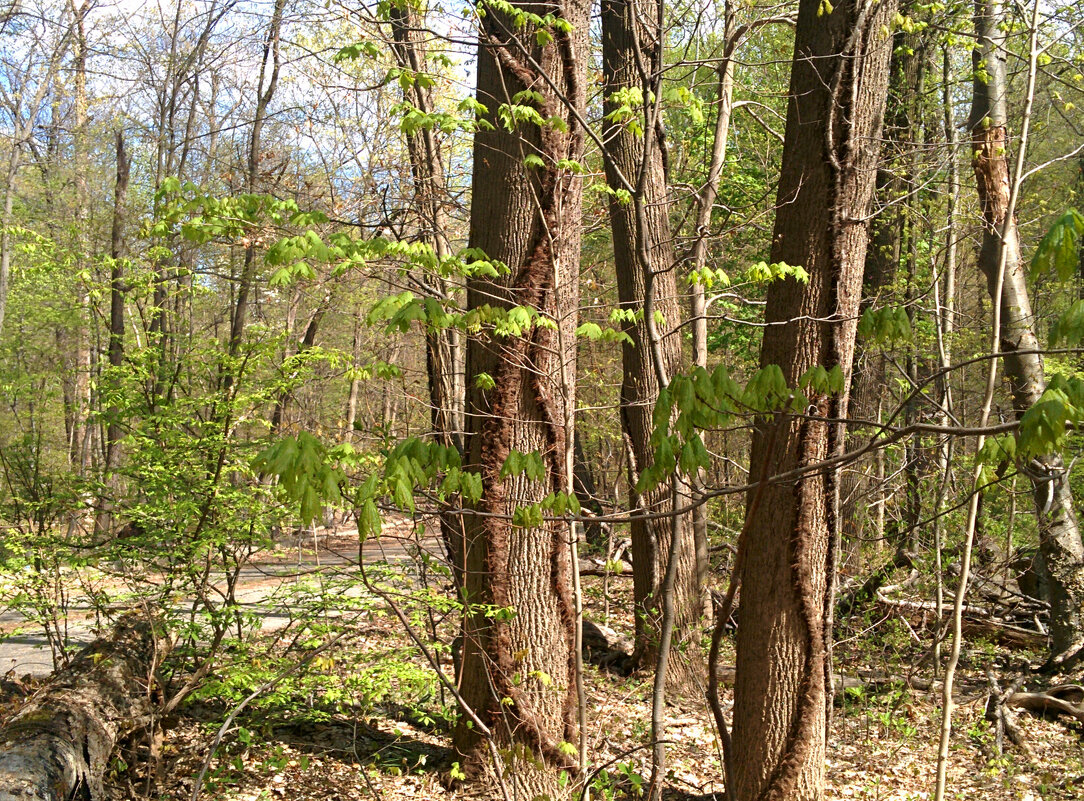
{"points": [[698, 304], [268, 81], [5, 223], [518, 672], [355, 381], [117, 253], [837, 94], [1059, 534], [946, 321], [443, 349], [643, 257], [81, 453]]}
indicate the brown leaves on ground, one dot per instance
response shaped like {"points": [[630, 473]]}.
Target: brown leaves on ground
{"points": [[883, 743]]}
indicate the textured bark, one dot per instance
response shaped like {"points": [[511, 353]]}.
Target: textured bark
{"points": [[1059, 532], [644, 257], [518, 671], [58, 746], [837, 93]]}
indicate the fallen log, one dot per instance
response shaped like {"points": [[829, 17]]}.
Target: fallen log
{"points": [[1065, 699], [57, 746]]}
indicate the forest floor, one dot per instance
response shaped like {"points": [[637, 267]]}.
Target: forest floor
{"points": [[367, 719]]}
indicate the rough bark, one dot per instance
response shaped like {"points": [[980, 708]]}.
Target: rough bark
{"points": [[58, 746], [837, 93], [518, 669], [1059, 532], [644, 261]]}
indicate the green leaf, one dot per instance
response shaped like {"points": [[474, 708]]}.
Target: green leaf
{"points": [[1058, 251], [369, 521], [1069, 328]]}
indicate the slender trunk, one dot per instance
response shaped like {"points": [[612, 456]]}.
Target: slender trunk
{"points": [[986, 26], [355, 382], [81, 453], [698, 304], [946, 321], [443, 348], [268, 81], [643, 257], [837, 94], [117, 253], [518, 672], [5, 238], [308, 339], [1059, 533]]}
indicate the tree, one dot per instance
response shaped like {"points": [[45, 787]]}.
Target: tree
{"points": [[999, 260], [786, 562], [649, 303], [29, 71], [519, 636]]}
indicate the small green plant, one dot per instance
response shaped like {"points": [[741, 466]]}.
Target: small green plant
{"points": [[624, 782]]}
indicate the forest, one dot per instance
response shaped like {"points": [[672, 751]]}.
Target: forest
{"points": [[536, 400]]}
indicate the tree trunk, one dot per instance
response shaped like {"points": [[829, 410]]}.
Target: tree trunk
{"points": [[117, 252], [443, 348], [1059, 533], [268, 81], [58, 746], [518, 663], [644, 260], [890, 233], [837, 94]]}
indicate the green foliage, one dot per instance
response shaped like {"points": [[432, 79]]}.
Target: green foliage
{"points": [[887, 327], [1058, 250], [1068, 330], [764, 273], [623, 781], [1044, 427], [595, 332], [309, 473]]}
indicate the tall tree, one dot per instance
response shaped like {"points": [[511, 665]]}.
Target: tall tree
{"points": [[518, 661], [1059, 534], [27, 78], [837, 92], [443, 348], [647, 279]]}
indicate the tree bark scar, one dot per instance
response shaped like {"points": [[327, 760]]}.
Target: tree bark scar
{"points": [[989, 146]]}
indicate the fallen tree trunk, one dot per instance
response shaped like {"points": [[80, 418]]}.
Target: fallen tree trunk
{"points": [[1065, 699], [58, 746]]}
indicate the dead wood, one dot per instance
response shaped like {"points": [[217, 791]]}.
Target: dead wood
{"points": [[1065, 699], [57, 746]]}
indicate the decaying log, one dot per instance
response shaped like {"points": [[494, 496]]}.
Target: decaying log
{"points": [[1065, 699], [57, 747]]}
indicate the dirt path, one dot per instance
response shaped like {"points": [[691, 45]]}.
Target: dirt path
{"points": [[262, 590]]}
